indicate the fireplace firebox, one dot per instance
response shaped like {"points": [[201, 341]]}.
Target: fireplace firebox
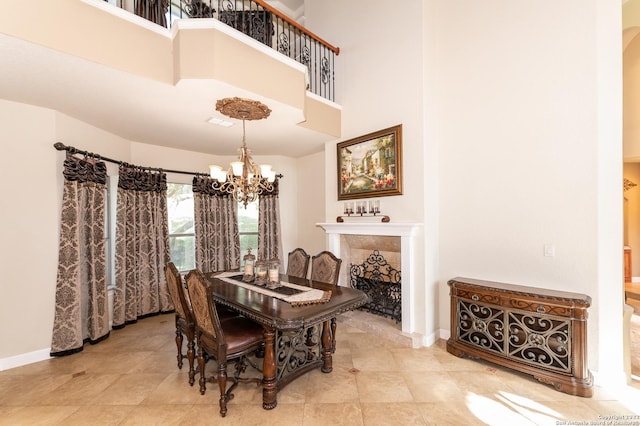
{"points": [[382, 283]]}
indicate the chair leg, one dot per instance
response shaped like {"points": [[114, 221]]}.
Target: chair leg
{"points": [[191, 346], [222, 384], [179, 343], [333, 335], [201, 362]]}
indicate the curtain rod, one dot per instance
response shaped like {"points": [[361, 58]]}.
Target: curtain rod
{"points": [[72, 150]]}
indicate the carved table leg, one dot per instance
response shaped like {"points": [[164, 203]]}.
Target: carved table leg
{"points": [[269, 379], [327, 366]]}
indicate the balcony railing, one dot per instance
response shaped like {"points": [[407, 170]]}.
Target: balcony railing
{"points": [[258, 20]]}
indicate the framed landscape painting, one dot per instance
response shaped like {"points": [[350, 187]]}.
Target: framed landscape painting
{"points": [[371, 165]]}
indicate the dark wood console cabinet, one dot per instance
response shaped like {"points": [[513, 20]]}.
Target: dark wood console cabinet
{"points": [[532, 330]]}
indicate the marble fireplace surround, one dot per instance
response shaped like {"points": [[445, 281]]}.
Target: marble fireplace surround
{"points": [[396, 241]]}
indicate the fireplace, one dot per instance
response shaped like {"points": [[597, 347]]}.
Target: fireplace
{"points": [[396, 241]]}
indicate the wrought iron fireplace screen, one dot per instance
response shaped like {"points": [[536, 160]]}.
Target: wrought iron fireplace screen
{"points": [[382, 283]]}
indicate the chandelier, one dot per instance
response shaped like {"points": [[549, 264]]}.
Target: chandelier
{"points": [[244, 179]]}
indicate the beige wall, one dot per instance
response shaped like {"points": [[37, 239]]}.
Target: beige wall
{"points": [[29, 250]]}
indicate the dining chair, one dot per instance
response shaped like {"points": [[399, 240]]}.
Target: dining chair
{"points": [[226, 341], [298, 263], [325, 267], [185, 322]]}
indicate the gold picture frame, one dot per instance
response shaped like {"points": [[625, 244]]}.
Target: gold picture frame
{"points": [[371, 165]]}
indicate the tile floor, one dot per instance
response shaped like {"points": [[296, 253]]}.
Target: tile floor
{"points": [[132, 379]]}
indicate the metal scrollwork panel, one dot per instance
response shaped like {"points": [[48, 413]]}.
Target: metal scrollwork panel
{"points": [[382, 283], [283, 44], [325, 70], [296, 349], [543, 342], [481, 326]]}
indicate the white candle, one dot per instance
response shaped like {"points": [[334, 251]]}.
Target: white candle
{"points": [[274, 275]]}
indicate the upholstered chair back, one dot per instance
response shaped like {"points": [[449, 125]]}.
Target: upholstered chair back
{"points": [[176, 290], [298, 263], [205, 314], [325, 267]]}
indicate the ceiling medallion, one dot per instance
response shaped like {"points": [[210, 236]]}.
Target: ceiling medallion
{"points": [[243, 109]]}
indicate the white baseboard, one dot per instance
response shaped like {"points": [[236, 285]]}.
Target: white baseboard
{"points": [[24, 359]]}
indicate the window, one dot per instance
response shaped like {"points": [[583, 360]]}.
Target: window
{"points": [[248, 228], [182, 238]]}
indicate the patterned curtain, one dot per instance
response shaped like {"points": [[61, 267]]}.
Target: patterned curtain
{"points": [[216, 227], [269, 236], [153, 10], [142, 245], [81, 312]]}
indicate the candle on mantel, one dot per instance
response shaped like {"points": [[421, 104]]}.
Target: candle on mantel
{"points": [[375, 207]]}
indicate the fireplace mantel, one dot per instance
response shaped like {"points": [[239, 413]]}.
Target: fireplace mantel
{"points": [[407, 233], [371, 228]]}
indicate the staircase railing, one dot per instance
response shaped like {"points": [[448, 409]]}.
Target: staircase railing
{"points": [[260, 21]]}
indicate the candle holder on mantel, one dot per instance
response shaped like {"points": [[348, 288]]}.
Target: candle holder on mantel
{"points": [[362, 209]]}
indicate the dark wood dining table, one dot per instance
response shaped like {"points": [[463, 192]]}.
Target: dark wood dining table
{"points": [[297, 338]]}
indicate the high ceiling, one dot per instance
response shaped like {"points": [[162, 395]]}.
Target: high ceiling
{"points": [[144, 110]]}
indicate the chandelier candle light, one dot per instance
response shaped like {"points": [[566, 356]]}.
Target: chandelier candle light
{"points": [[244, 179]]}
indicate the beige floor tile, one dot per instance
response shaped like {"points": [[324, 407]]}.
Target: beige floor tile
{"points": [[610, 408], [427, 386], [24, 390], [161, 362], [338, 414], [338, 386], [360, 342], [80, 390], [387, 414], [382, 387], [473, 411], [450, 362], [485, 382], [118, 362], [576, 410], [245, 415], [380, 359], [35, 415], [166, 415], [294, 392], [528, 387], [175, 389], [59, 365], [98, 415], [343, 358], [423, 359], [129, 389]]}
